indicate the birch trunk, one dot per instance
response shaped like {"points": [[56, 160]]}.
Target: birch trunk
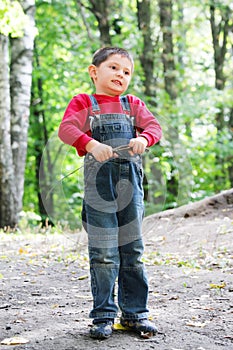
{"points": [[8, 196], [15, 92], [20, 82]]}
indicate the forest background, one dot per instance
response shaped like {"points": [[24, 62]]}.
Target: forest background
{"points": [[183, 54]]}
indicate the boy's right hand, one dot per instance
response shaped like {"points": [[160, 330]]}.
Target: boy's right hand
{"points": [[100, 151]]}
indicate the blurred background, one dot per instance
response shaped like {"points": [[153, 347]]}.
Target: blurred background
{"points": [[183, 52]]}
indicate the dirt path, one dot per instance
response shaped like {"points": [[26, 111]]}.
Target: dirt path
{"points": [[45, 296]]}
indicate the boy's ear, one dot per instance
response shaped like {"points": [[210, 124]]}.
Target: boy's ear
{"points": [[92, 71]]}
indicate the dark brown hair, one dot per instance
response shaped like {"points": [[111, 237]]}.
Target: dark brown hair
{"points": [[103, 54]]}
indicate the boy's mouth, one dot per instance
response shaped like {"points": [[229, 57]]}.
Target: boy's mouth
{"points": [[117, 82]]}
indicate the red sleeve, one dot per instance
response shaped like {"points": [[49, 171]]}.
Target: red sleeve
{"points": [[145, 122], [74, 127]]}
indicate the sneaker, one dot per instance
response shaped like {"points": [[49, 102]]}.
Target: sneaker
{"points": [[101, 330], [143, 327]]}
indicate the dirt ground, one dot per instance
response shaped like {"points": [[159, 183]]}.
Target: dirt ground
{"points": [[45, 294]]}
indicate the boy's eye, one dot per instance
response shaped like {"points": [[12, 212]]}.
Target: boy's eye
{"points": [[113, 67], [126, 73]]}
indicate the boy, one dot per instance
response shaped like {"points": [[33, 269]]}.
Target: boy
{"points": [[113, 131]]}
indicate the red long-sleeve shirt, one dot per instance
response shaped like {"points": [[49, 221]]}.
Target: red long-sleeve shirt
{"points": [[75, 125]]}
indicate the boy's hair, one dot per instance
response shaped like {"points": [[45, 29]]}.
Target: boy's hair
{"points": [[103, 54]]}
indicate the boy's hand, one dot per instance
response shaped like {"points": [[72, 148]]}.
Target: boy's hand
{"points": [[138, 145], [100, 151]]}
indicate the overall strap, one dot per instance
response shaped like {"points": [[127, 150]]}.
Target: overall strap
{"points": [[123, 100], [96, 109], [126, 107], [125, 104], [94, 104]]}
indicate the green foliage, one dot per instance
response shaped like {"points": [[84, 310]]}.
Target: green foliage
{"points": [[12, 18], [193, 153]]}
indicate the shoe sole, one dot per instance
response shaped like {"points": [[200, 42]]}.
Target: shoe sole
{"points": [[100, 336], [143, 334]]}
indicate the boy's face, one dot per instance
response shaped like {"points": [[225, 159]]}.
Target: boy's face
{"points": [[112, 77]]}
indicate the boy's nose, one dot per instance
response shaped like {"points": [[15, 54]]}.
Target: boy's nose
{"points": [[120, 73]]}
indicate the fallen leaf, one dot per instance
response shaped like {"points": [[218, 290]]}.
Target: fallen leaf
{"points": [[146, 335], [4, 257], [80, 278], [23, 251], [86, 297], [14, 341], [20, 320], [196, 324], [119, 327], [217, 286]]}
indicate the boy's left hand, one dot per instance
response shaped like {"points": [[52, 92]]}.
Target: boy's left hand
{"points": [[138, 145]]}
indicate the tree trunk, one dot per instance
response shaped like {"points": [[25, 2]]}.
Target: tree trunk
{"points": [[181, 43], [219, 34], [20, 86], [168, 54], [14, 114], [8, 194], [220, 28], [100, 8], [230, 168], [165, 11], [147, 59], [147, 56]]}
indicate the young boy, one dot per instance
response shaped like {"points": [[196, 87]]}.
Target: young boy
{"points": [[113, 131]]}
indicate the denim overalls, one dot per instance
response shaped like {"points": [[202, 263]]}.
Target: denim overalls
{"points": [[112, 216]]}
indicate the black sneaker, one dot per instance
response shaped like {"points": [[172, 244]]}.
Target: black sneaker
{"points": [[101, 330], [143, 327]]}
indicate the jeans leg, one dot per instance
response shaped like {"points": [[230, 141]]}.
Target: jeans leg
{"points": [[102, 231], [104, 269], [132, 281]]}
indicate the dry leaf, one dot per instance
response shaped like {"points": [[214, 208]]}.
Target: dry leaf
{"points": [[83, 277], [146, 335], [55, 306], [14, 341], [20, 320], [119, 327], [86, 297], [217, 286], [23, 251], [196, 324]]}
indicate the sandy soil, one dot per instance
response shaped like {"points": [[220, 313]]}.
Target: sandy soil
{"points": [[45, 294]]}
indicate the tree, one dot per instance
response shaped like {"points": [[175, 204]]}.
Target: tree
{"points": [[168, 50], [221, 25], [148, 52], [16, 72], [220, 30], [100, 8], [166, 17]]}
